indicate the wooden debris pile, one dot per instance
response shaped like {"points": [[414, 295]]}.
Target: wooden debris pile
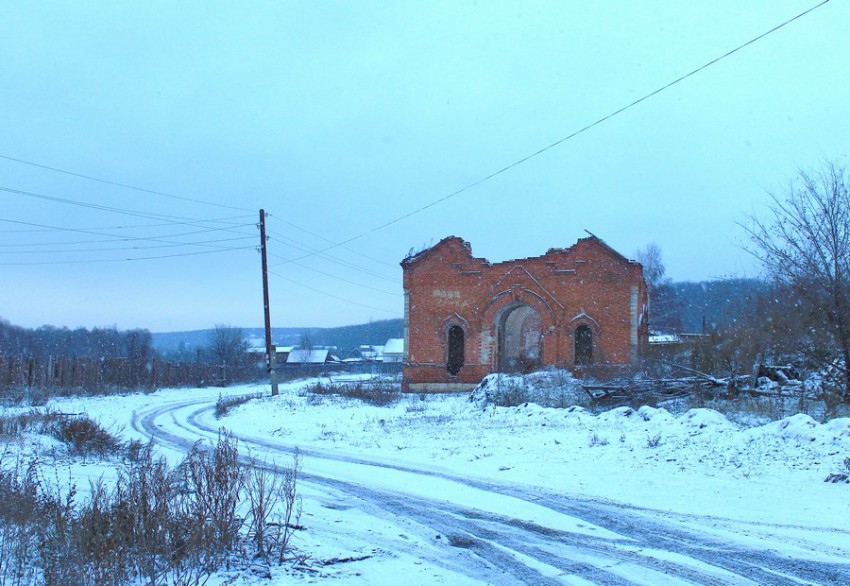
{"points": [[647, 391], [784, 381]]}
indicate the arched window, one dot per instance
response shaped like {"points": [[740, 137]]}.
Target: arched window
{"points": [[584, 345], [455, 358]]}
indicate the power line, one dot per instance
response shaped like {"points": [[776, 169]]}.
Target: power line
{"points": [[320, 237], [154, 192], [568, 137], [105, 234], [203, 243], [66, 262], [303, 266], [294, 244], [331, 295], [100, 207], [339, 262], [109, 238], [124, 185], [135, 226]]}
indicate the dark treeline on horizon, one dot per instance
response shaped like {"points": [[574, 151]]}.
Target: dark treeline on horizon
{"points": [[701, 307], [47, 340]]}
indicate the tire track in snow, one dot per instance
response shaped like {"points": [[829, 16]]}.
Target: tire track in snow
{"points": [[501, 543]]}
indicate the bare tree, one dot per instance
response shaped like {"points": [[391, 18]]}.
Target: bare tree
{"points": [[664, 304], [804, 245], [653, 267], [227, 346], [305, 340]]}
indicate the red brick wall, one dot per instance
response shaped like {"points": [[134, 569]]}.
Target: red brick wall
{"points": [[586, 284]]}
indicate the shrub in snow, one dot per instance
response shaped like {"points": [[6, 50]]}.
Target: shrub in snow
{"points": [[82, 435], [275, 507], [653, 441]]}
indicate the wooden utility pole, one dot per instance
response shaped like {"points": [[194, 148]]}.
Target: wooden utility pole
{"points": [[270, 350]]}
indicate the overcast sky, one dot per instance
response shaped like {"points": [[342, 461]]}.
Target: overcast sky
{"points": [[339, 117]]}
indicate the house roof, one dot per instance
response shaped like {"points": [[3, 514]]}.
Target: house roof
{"points": [[394, 346], [261, 349], [664, 339], [305, 356]]}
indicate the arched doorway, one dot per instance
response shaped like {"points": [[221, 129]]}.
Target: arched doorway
{"points": [[520, 336]]}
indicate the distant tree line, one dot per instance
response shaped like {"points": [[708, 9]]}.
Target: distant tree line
{"points": [[699, 307], [103, 343], [88, 359]]}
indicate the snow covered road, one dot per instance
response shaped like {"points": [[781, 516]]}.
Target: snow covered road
{"points": [[436, 524]]}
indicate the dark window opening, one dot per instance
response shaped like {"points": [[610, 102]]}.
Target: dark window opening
{"points": [[584, 345], [455, 358]]}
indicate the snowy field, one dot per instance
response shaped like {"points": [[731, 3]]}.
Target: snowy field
{"points": [[440, 489]]}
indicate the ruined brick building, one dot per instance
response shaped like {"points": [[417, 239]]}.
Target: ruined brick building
{"points": [[583, 308]]}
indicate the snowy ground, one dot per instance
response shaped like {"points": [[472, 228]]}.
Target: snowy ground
{"points": [[437, 489]]}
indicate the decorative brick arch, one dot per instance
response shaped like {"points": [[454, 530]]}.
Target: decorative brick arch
{"points": [[506, 302], [583, 319], [514, 297], [455, 319]]}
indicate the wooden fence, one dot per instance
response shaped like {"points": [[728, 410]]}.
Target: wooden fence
{"points": [[93, 373]]}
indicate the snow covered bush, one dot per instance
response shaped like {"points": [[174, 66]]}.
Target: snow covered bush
{"points": [[81, 434], [84, 436]]}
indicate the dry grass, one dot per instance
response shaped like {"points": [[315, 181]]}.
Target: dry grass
{"points": [[378, 393], [156, 525], [225, 404]]}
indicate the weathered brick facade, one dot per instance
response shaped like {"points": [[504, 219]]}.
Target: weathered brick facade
{"points": [[583, 308]]}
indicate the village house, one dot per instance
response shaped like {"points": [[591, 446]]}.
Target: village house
{"points": [[393, 350], [583, 308], [306, 356]]}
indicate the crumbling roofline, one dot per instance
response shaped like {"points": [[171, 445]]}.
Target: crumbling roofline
{"points": [[423, 254]]}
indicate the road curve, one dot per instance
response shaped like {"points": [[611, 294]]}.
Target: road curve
{"points": [[568, 540]]}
